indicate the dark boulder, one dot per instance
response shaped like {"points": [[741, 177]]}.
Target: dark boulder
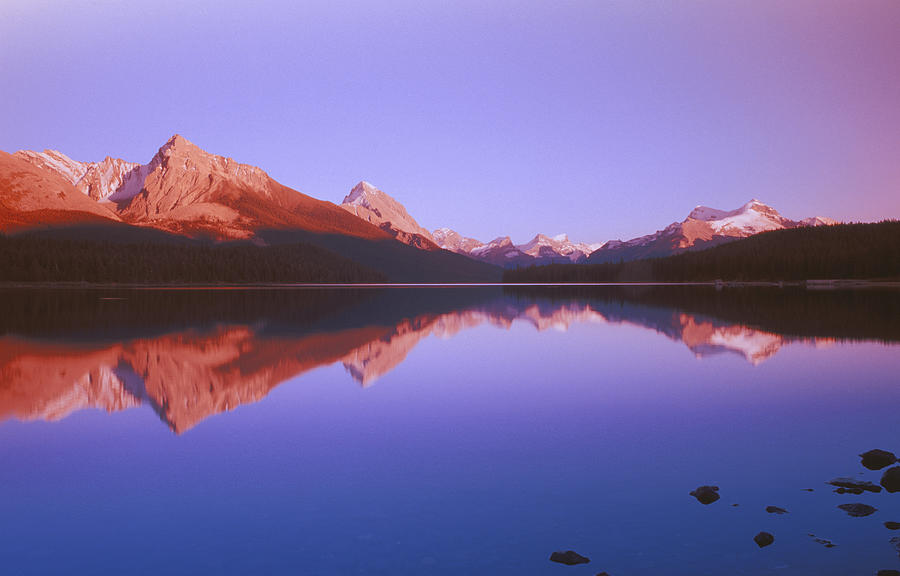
{"points": [[858, 510], [888, 573], [763, 539], [891, 479], [706, 494], [851, 486], [569, 558], [775, 510], [877, 459], [892, 525]]}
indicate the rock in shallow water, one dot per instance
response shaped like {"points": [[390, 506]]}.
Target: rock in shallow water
{"points": [[887, 573], [891, 479], [877, 459], [858, 510], [569, 558], [763, 539], [892, 525], [824, 542], [775, 510], [706, 494], [852, 486]]}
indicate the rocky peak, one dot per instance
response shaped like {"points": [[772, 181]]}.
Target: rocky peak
{"points": [[376, 207]]}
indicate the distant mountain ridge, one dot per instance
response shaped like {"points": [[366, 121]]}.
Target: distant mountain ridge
{"points": [[379, 208], [799, 254], [703, 228]]}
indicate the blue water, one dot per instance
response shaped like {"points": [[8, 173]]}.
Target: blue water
{"points": [[480, 452]]}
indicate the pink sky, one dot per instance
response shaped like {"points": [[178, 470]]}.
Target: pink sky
{"points": [[601, 119]]}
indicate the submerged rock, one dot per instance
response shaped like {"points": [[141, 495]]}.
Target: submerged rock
{"points": [[706, 494], [877, 459], [763, 539], [891, 479], [858, 510], [851, 486], [822, 541], [892, 525], [775, 510], [888, 573], [569, 558], [855, 491]]}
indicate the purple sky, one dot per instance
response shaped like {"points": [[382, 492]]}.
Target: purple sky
{"points": [[600, 119]]}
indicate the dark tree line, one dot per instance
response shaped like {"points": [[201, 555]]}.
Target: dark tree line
{"points": [[851, 251], [42, 259]]}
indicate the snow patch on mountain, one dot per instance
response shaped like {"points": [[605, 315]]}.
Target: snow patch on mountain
{"points": [[375, 206], [703, 226], [98, 180]]}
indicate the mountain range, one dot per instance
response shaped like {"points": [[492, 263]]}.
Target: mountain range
{"points": [[187, 192], [703, 228]]}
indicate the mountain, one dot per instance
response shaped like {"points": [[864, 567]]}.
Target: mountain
{"points": [[374, 206], [97, 180], [501, 251], [704, 227], [188, 190], [190, 193], [33, 197], [377, 207], [454, 241], [798, 254], [557, 248]]}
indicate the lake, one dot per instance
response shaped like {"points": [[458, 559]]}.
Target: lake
{"points": [[467, 430]]}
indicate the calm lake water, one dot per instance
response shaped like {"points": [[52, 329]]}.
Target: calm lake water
{"points": [[444, 430]]}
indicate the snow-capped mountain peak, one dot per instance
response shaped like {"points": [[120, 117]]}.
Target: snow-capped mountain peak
{"points": [[375, 206], [706, 213], [818, 221], [703, 227], [541, 249], [364, 194]]}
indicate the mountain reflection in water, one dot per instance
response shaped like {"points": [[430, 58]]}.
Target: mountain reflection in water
{"points": [[191, 354]]}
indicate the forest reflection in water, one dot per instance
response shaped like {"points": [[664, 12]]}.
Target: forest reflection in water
{"points": [[191, 354]]}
